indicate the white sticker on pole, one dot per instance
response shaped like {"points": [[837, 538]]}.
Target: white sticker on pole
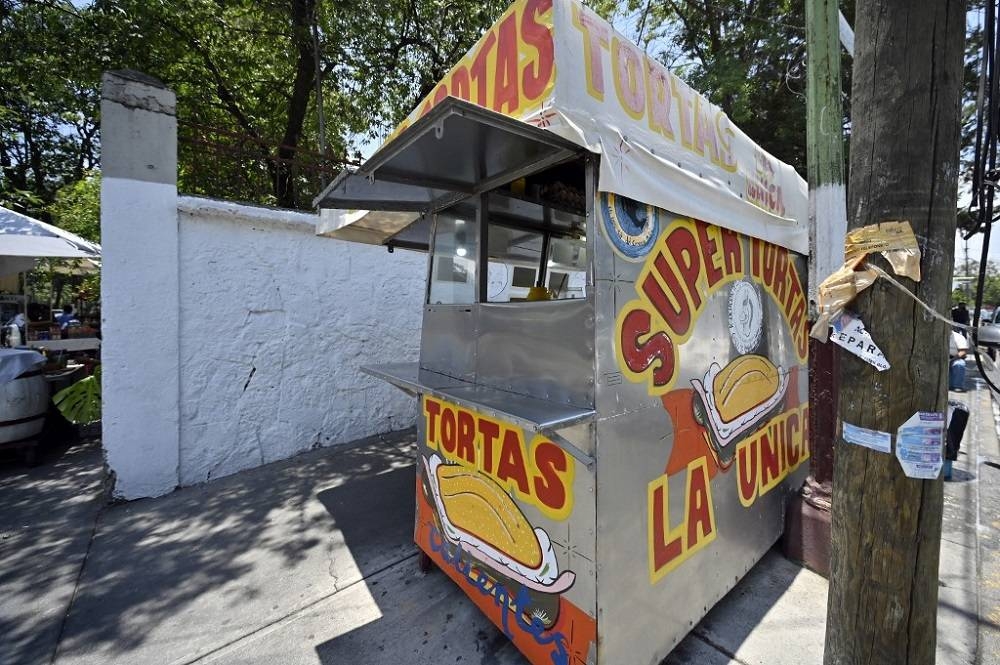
{"points": [[849, 332], [919, 442], [869, 438]]}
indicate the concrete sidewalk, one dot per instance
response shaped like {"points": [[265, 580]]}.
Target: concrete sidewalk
{"points": [[311, 561]]}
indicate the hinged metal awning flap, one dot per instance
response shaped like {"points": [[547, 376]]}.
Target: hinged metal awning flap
{"points": [[457, 149]]}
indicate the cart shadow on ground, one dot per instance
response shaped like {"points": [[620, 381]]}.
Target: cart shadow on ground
{"points": [[424, 619], [304, 559], [214, 563]]}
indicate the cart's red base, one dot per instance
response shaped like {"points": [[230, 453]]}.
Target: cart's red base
{"points": [[567, 642]]}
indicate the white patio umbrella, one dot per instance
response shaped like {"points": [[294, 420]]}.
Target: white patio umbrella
{"points": [[24, 239]]}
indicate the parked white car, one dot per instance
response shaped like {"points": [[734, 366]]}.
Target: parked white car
{"points": [[989, 333]]}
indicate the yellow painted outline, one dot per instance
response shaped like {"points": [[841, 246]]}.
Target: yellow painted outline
{"points": [[588, 51], [637, 75], [752, 454], [658, 324], [527, 453], [687, 551]]}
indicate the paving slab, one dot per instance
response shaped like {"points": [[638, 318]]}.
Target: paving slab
{"points": [[311, 561], [172, 579], [777, 603], [987, 469], [47, 516]]}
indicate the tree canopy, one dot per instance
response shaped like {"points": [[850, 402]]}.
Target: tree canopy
{"points": [[245, 76]]}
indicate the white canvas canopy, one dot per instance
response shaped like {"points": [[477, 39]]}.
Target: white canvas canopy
{"points": [[24, 239], [558, 67]]}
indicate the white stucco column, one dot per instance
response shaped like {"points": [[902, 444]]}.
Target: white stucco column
{"points": [[139, 285]]}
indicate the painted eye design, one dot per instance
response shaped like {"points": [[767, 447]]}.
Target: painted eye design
{"points": [[746, 317], [632, 227]]}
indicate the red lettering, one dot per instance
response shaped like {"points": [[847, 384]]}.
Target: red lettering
{"points": [[536, 76], [511, 463], [699, 519], [755, 249], [440, 94], [478, 71], [769, 261], [770, 460], [732, 252], [664, 551], [489, 431], [640, 355], [683, 94], [780, 275], [505, 93], [748, 471], [460, 83], [708, 249], [627, 67], [432, 409], [674, 310], [704, 131], [595, 31], [684, 250], [799, 329], [448, 426], [549, 460], [791, 440], [658, 99], [466, 448]]}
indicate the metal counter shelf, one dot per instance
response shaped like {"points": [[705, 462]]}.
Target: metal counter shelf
{"points": [[537, 415]]}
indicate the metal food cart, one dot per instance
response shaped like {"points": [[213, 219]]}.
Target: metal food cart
{"points": [[612, 372]]}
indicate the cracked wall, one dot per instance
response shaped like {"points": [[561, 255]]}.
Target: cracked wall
{"points": [[274, 324]]}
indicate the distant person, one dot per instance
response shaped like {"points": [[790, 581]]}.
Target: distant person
{"points": [[66, 320], [957, 350], [958, 418], [960, 314]]}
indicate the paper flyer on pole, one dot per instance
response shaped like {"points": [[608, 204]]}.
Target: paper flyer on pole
{"points": [[849, 332], [869, 438], [919, 443]]}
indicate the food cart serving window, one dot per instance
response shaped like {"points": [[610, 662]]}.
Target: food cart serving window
{"points": [[612, 376]]}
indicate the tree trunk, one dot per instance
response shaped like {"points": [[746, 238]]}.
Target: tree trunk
{"points": [[904, 166], [303, 15]]}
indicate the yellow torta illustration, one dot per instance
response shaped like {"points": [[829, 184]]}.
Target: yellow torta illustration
{"points": [[743, 384], [477, 505]]}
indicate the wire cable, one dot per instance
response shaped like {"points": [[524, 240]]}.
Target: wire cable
{"points": [[987, 180]]}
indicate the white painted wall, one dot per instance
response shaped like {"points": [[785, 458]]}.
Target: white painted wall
{"points": [[232, 334], [139, 284], [274, 322]]}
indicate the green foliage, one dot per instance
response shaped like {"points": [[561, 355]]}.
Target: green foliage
{"points": [[244, 73], [77, 207], [991, 284], [747, 56], [81, 402], [50, 68]]}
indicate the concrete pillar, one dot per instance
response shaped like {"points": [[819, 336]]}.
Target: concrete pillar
{"points": [[139, 285]]}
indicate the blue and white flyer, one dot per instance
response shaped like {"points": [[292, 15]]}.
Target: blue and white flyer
{"points": [[919, 445]]}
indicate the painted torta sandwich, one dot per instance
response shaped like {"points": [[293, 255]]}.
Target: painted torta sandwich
{"points": [[480, 517], [731, 401]]}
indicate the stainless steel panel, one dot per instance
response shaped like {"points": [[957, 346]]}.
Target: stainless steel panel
{"points": [[455, 150], [573, 537], [637, 438], [448, 340], [409, 377], [541, 349], [615, 395], [530, 412]]}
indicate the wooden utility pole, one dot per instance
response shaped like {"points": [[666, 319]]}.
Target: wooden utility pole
{"points": [[827, 211], [904, 166]]}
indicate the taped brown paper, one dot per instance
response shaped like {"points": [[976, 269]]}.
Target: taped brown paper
{"points": [[893, 240]]}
